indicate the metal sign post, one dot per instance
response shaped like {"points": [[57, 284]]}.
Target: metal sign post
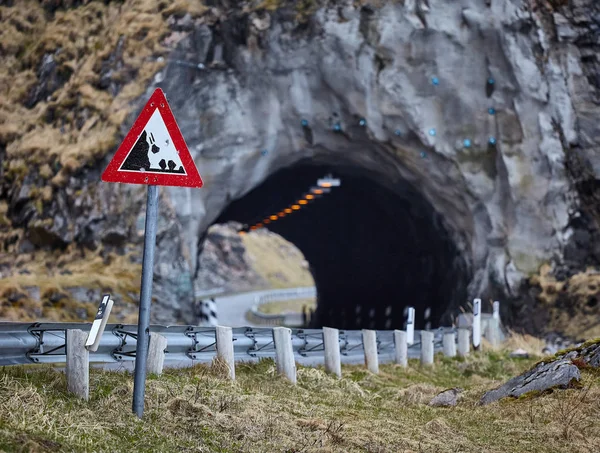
{"points": [[143, 333], [153, 153]]}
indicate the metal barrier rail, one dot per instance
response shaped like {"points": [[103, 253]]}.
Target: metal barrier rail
{"points": [[25, 343]]}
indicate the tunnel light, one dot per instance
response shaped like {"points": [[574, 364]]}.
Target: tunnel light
{"points": [[317, 191], [273, 217], [302, 202], [258, 225], [281, 214], [295, 207], [309, 197], [328, 181], [287, 210], [254, 227], [241, 233], [267, 221]]}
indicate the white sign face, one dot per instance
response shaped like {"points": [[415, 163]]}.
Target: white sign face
{"points": [[154, 151], [476, 322]]}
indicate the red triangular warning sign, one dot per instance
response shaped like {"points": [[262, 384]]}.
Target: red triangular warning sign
{"points": [[154, 151]]}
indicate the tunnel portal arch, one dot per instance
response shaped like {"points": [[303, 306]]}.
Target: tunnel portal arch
{"points": [[374, 246]]}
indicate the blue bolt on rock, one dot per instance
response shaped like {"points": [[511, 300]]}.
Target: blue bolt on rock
{"points": [[362, 122], [304, 123], [435, 80], [491, 81], [432, 132], [423, 154], [467, 143], [398, 132], [337, 127], [492, 111], [264, 152], [492, 140]]}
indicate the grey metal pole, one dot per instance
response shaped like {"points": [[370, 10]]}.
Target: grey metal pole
{"points": [[143, 333]]}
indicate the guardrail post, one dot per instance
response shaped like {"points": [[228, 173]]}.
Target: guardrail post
{"points": [[463, 342], [284, 353], [331, 344], [449, 344], [400, 341], [78, 363], [426, 348], [369, 338], [493, 332], [156, 353], [224, 338]]}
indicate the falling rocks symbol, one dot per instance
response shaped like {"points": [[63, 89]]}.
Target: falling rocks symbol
{"points": [[154, 152]]}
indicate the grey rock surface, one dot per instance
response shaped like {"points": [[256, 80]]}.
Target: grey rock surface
{"points": [[509, 205], [559, 373]]}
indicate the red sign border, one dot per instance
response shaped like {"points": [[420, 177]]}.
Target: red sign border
{"points": [[191, 179]]}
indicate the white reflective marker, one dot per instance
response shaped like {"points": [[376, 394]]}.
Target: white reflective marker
{"points": [[476, 323], [93, 339], [410, 326]]}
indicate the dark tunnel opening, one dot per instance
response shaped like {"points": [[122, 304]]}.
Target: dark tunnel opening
{"points": [[373, 249]]}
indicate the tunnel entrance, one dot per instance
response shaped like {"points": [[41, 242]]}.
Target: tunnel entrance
{"points": [[374, 247]]}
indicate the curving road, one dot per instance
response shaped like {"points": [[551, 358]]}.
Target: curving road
{"points": [[231, 310]]}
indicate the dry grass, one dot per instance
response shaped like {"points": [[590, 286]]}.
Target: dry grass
{"points": [[573, 304], [197, 410], [41, 287], [276, 260], [284, 306]]}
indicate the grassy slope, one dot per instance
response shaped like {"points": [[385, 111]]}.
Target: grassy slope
{"points": [[276, 260], [196, 410]]}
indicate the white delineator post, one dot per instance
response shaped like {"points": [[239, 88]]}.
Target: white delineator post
{"points": [[449, 344], [463, 342], [426, 348], [224, 339], [410, 326], [156, 353], [78, 363], [401, 347], [331, 344], [369, 338], [284, 353], [476, 324]]}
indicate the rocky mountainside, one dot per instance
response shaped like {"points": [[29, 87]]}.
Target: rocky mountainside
{"points": [[490, 108]]}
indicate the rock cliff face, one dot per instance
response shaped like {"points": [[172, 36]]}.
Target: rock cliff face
{"points": [[483, 113]]}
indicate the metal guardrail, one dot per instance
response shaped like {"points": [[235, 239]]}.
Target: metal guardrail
{"points": [[25, 343], [257, 317]]}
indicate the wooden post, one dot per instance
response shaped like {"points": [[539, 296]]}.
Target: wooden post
{"points": [[400, 341], [449, 344], [284, 353], [463, 342], [426, 348], [78, 364], [496, 310], [156, 353], [493, 332], [224, 338], [331, 344], [369, 338], [477, 324]]}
